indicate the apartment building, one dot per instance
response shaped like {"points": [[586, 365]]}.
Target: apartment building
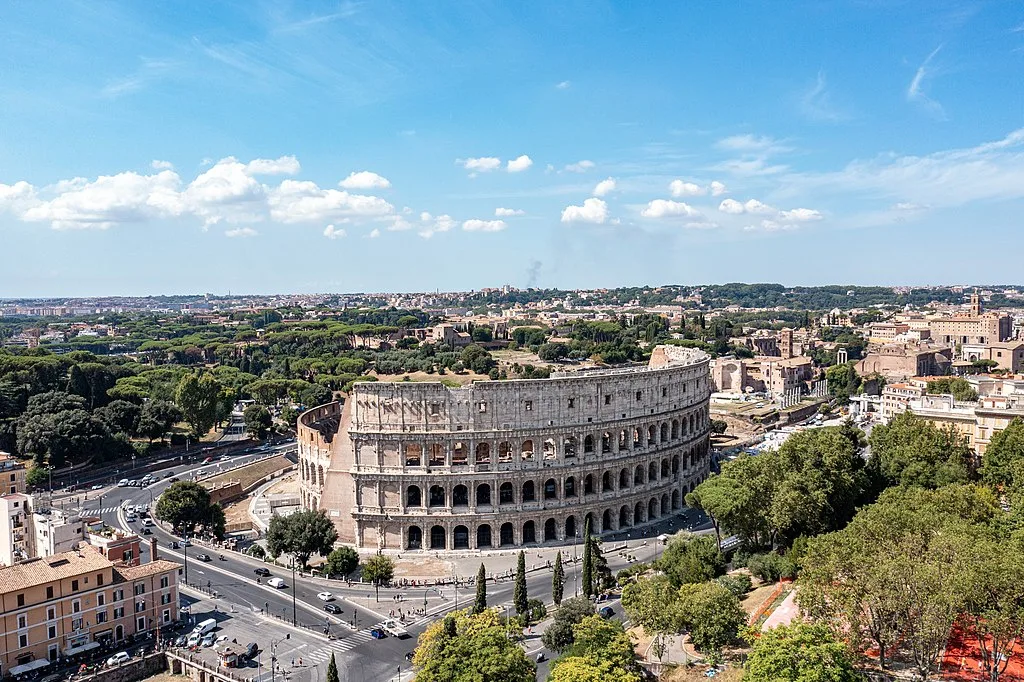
{"points": [[15, 535], [896, 398], [12, 474], [58, 607]]}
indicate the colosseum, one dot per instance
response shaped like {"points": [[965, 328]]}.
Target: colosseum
{"points": [[422, 466]]}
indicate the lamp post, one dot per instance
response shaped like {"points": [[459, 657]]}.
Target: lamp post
{"points": [[184, 549], [294, 616]]}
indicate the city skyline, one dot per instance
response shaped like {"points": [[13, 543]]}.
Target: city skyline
{"points": [[395, 147]]}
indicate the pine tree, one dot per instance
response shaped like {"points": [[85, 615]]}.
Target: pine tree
{"points": [[519, 597], [557, 580], [481, 590], [332, 670], [588, 561]]}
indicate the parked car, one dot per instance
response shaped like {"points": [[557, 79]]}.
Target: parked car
{"points": [[119, 658], [204, 557], [194, 639], [174, 479], [261, 571], [209, 639], [325, 596], [186, 543], [96, 487], [332, 608], [252, 650], [180, 641], [277, 583], [147, 531], [606, 612], [377, 633]]}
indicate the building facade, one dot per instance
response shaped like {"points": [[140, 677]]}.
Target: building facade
{"points": [[409, 466], [70, 603], [12, 474]]}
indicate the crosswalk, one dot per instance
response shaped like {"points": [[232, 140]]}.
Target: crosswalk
{"points": [[340, 646]]}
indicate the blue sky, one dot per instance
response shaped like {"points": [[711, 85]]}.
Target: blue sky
{"points": [[170, 147]]}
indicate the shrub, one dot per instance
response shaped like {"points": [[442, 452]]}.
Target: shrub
{"points": [[738, 583], [771, 567]]}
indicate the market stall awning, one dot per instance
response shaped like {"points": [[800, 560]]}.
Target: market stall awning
{"points": [[29, 667], [89, 646]]}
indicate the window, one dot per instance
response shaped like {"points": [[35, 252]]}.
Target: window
{"points": [[165, 599], [99, 579], [101, 617], [21, 600], [607, 399], [76, 623], [140, 588], [74, 586], [482, 407], [164, 581], [664, 391], [639, 396], [140, 623], [22, 641], [22, 621], [101, 599], [528, 406], [119, 612], [51, 613], [140, 606], [76, 606], [51, 632], [167, 615], [572, 402], [118, 595], [49, 592], [435, 409]]}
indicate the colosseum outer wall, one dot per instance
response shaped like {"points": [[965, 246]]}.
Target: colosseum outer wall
{"points": [[509, 463]]}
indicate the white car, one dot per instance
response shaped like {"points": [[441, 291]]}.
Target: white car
{"points": [[277, 583], [119, 658], [325, 596]]}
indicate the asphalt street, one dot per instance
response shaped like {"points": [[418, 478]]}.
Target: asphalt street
{"points": [[360, 657]]}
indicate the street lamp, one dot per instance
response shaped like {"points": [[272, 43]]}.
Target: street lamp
{"points": [[294, 617], [184, 549]]}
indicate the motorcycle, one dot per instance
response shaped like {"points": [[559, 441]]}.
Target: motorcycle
{"points": [[222, 557]]}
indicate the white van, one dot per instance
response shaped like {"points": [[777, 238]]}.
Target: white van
{"points": [[206, 626], [147, 522], [123, 483], [276, 583]]}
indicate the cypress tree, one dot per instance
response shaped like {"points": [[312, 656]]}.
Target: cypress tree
{"points": [[557, 580], [588, 561], [481, 590], [519, 597], [332, 670]]}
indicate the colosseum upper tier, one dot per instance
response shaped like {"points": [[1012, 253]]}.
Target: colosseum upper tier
{"points": [[410, 466]]}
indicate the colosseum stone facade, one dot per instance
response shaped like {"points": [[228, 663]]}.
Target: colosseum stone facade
{"points": [[409, 466]]}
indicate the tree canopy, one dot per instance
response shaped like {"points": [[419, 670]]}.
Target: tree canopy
{"points": [[464, 647], [302, 535], [187, 507]]}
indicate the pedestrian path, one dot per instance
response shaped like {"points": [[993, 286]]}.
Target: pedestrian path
{"points": [[352, 641]]}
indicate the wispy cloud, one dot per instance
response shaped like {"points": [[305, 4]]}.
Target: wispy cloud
{"points": [[563, 85], [816, 104], [915, 91], [149, 71], [345, 10]]}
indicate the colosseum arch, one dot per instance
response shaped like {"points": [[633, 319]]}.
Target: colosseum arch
{"points": [[413, 455], [550, 489], [460, 496], [606, 442], [675, 465], [529, 533], [437, 457], [664, 432], [414, 538], [638, 513], [550, 530], [483, 536], [652, 472], [460, 454], [506, 535], [638, 475], [413, 497], [623, 440], [505, 494], [437, 496], [483, 453], [588, 484], [460, 537], [675, 429], [625, 517], [664, 468], [675, 500], [527, 453], [483, 494], [569, 447], [606, 521], [607, 484], [321, 470], [437, 537], [665, 507], [569, 487], [504, 451], [549, 448], [570, 527], [652, 509], [529, 494], [651, 441], [588, 444], [638, 437], [623, 479]]}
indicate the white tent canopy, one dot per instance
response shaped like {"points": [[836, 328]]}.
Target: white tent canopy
{"points": [[29, 667]]}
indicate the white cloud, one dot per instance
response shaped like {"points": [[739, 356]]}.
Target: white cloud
{"points": [[285, 165], [592, 211], [398, 224], [816, 102], [161, 165], [665, 208], [365, 180], [718, 189], [731, 206], [442, 223], [17, 197], [297, 201], [475, 225], [755, 206], [749, 166], [480, 164], [751, 143], [579, 167], [915, 91], [508, 212], [801, 215], [110, 199], [332, 232], [373, 234], [519, 164], [563, 85], [604, 187], [241, 232], [685, 189], [907, 206], [771, 226]]}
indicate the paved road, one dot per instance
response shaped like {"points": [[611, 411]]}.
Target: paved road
{"points": [[360, 656]]}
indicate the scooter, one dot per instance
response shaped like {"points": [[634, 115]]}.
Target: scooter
{"points": [[222, 557]]}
